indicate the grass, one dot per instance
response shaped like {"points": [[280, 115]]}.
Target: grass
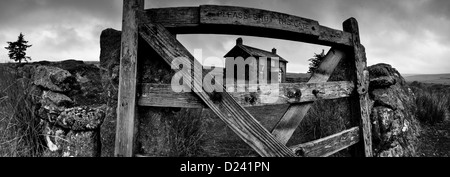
{"points": [[187, 135], [433, 102], [20, 129], [325, 118], [195, 133]]}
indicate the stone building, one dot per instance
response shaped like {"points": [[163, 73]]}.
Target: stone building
{"points": [[244, 51]]}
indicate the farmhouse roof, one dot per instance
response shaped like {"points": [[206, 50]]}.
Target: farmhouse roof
{"points": [[255, 52]]}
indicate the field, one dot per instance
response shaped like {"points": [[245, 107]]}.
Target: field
{"points": [[433, 111], [20, 131], [429, 78], [297, 77]]}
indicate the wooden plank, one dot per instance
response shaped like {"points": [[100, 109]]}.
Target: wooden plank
{"points": [[231, 20], [227, 109], [296, 112], [229, 15], [126, 108], [162, 95], [360, 102], [333, 36], [174, 16], [329, 145]]}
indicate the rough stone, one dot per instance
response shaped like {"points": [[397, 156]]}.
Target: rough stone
{"points": [[58, 99], [110, 49], [54, 136], [74, 132], [89, 89], [81, 144], [66, 97], [49, 112], [384, 97], [36, 94], [382, 82], [394, 126], [395, 150], [382, 69], [61, 143], [382, 125], [109, 64], [53, 78], [81, 118]]}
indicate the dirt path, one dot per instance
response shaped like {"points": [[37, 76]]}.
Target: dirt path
{"points": [[435, 140]]}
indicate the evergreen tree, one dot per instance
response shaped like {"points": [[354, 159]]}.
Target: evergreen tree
{"points": [[17, 49], [315, 61]]}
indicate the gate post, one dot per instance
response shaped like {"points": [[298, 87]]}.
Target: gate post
{"points": [[360, 100], [126, 108]]}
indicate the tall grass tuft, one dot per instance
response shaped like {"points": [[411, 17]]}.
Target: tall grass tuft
{"points": [[188, 134], [20, 129], [325, 118], [431, 106]]}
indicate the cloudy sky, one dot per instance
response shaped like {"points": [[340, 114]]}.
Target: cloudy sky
{"points": [[411, 35]]}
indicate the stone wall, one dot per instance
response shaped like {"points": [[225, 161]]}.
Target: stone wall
{"points": [[394, 126], [69, 106], [109, 64], [154, 125]]}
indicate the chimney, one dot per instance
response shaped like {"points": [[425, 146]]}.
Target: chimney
{"points": [[274, 51], [239, 41]]}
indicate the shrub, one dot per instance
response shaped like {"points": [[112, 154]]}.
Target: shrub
{"points": [[431, 106]]}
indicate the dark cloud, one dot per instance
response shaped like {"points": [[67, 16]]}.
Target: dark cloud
{"points": [[59, 29], [438, 8], [411, 35], [34, 12]]}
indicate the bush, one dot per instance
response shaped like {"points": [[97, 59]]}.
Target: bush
{"points": [[431, 106], [432, 100], [20, 130]]}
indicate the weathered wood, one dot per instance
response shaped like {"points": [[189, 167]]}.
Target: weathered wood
{"points": [[333, 36], [229, 15], [360, 102], [226, 108], [126, 108], [174, 16], [296, 112], [329, 145], [162, 95], [211, 19]]}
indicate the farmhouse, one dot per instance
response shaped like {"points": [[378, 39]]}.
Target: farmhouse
{"points": [[244, 51]]}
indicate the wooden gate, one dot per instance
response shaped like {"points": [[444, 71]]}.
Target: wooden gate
{"points": [[158, 27]]}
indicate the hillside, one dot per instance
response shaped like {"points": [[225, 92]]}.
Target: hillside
{"points": [[297, 77], [430, 78]]}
